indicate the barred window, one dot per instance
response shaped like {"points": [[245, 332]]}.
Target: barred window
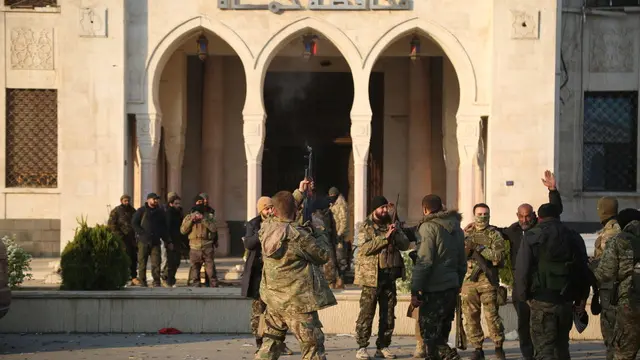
{"points": [[610, 141], [32, 138], [30, 3], [612, 3]]}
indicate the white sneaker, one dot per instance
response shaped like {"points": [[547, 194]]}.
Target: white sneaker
{"points": [[362, 354], [385, 354]]}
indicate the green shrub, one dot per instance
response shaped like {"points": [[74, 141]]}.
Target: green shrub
{"points": [[96, 259], [19, 262]]}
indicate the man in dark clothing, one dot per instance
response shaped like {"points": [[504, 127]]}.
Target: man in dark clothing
{"points": [[175, 240], [514, 234], [150, 225], [552, 274], [120, 223], [438, 273]]}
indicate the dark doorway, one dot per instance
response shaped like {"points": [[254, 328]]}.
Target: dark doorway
{"points": [[307, 108], [315, 108]]}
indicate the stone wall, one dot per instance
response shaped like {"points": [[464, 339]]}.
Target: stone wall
{"points": [[41, 237]]}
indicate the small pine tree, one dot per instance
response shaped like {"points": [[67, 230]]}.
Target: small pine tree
{"points": [[96, 259]]}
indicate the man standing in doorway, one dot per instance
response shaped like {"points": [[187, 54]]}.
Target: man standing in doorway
{"points": [[378, 241], [210, 210], [339, 210], [174, 241], [480, 287], [150, 225], [120, 224]]}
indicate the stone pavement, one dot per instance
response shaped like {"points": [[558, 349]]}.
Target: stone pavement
{"points": [[204, 347]]}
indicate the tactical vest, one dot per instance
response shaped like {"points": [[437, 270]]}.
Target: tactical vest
{"points": [[553, 273], [480, 237], [634, 293]]}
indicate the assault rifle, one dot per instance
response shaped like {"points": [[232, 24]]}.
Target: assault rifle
{"points": [[483, 266], [392, 258], [308, 175], [461, 336]]}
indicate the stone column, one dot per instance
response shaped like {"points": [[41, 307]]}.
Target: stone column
{"points": [[468, 133], [254, 133], [213, 146], [148, 127], [419, 138], [361, 137], [174, 101]]}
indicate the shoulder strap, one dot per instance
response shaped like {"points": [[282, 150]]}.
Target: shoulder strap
{"points": [[635, 245]]}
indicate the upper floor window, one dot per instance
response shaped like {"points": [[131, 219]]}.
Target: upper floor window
{"points": [[612, 3], [30, 3], [610, 141]]}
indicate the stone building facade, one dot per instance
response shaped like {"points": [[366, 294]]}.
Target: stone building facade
{"points": [[105, 97]]}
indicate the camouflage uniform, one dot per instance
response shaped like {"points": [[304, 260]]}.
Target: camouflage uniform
{"points": [[616, 265], [330, 269], [201, 242], [378, 285], [550, 326], [340, 216], [482, 294], [293, 287], [120, 224], [257, 309], [608, 314]]}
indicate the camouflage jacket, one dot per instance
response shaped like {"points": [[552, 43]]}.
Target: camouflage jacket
{"points": [[339, 211], [120, 220], [371, 241], [493, 248], [202, 233], [292, 281], [610, 229], [616, 263]]}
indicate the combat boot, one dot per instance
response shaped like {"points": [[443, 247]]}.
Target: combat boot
{"points": [[286, 350], [478, 354], [500, 355], [448, 353]]}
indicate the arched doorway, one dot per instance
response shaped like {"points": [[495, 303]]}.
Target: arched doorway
{"points": [[308, 94]]}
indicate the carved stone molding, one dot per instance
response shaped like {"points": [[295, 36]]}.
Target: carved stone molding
{"points": [[93, 22], [525, 24], [468, 136], [253, 130], [148, 128], [612, 49], [32, 49]]}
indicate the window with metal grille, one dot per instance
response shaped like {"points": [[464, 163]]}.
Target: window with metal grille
{"points": [[610, 141], [32, 138], [612, 3], [30, 3]]}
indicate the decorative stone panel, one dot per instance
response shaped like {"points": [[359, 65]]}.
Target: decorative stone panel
{"points": [[612, 49], [32, 49], [525, 24]]}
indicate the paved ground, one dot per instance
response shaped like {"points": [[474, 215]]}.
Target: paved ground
{"points": [[200, 347]]}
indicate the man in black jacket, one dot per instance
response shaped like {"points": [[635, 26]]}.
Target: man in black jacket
{"points": [[150, 225], [175, 241], [513, 234], [252, 274], [553, 276]]}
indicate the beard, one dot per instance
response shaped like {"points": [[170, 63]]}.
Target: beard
{"points": [[528, 224], [383, 219]]}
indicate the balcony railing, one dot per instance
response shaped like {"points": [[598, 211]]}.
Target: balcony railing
{"points": [[30, 3]]}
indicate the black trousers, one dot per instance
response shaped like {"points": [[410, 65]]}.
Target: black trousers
{"points": [[524, 329]]}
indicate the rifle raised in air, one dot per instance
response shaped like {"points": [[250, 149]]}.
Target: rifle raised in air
{"points": [[308, 175]]}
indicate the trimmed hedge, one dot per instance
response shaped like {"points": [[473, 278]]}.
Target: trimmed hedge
{"points": [[96, 259]]}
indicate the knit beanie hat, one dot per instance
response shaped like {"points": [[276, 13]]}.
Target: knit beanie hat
{"points": [[204, 196], [607, 208], [264, 202], [198, 198], [172, 194], [334, 191], [377, 202], [125, 196]]}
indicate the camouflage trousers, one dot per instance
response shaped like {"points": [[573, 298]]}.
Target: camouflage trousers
{"points": [[383, 295], [607, 321], [436, 315], [550, 327], [306, 327], [342, 257], [626, 335], [478, 296], [257, 309]]}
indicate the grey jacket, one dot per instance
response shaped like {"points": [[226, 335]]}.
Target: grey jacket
{"points": [[441, 262]]}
